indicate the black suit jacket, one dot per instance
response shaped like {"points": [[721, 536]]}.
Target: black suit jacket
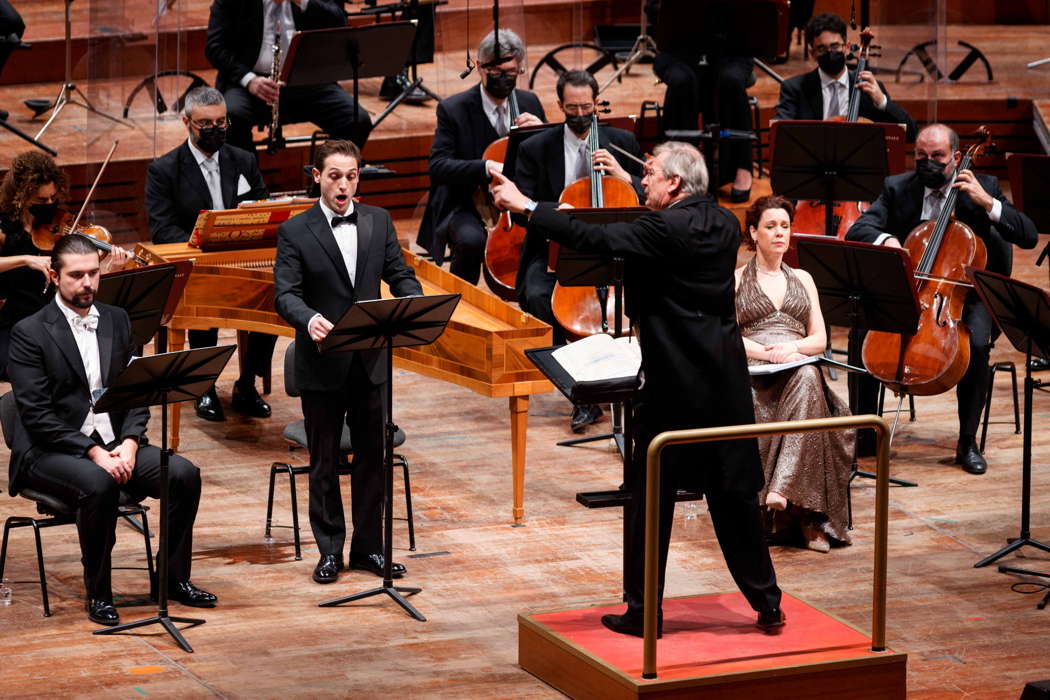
{"points": [[51, 386], [898, 210], [176, 191], [679, 289], [801, 98], [456, 166], [235, 33], [310, 277]]}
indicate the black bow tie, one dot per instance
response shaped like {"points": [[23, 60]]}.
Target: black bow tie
{"points": [[350, 218]]}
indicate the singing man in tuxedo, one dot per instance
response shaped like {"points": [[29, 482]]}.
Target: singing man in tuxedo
{"points": [[240, 45], [205, 172], [328, 258], [824, 92], [62, 356], [466, 124], [680, 296], [547, 163], [911, 198]]}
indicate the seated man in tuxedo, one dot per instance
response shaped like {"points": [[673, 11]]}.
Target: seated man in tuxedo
{"points": [[824, 92], [61, 357], [240, 45], [205, 172], [911, 198], [466, 124], [547, 163]]}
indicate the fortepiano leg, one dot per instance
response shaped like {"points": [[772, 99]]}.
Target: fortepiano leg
{"points": [[176, 342], [519, 422]]}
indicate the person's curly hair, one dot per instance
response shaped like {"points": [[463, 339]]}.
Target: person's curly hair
{"points": [[759, 207], [30, 171]]}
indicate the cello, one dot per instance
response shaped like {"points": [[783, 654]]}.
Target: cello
{"points": [[934, 358]]}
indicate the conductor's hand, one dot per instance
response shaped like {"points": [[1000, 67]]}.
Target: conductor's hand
{"points": [[867, 83], [265, 89], [114, 466], [528, 119], [319, 328], [506, 194], [966, 182], [607, 163]]}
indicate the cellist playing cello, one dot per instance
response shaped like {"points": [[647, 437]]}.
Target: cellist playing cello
{"points": [[911, 198]]}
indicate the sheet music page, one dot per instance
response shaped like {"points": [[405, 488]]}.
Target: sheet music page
{"points": [[759, 370], [600, 357]]}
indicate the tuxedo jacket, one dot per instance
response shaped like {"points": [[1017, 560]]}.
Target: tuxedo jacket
{"points": [[801, 98], [898, 210], [540, 175], [235, 33], [176, 191], [310, 277], [456, 167], [51, 386]]}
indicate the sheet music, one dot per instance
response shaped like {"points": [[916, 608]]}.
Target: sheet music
{"points": [[600, 357], [763, 370]]}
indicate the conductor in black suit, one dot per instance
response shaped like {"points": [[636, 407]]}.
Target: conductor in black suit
{"points": [[466, 124], [240, 45], [911, 198], [329, 257], [62, 356], [824, 92], [680, 297], [547, 163], [205, 172]]}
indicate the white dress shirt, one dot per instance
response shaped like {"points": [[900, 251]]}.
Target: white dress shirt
{"points": [[490, 106], [346, 238], [209, 166], [575, 148], [273, 13], [826, 82], [87, 344]]}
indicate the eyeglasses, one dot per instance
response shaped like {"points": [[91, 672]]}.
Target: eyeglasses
{"points": [[497, 73], [221, 123], [651, 172], [821, 49]]}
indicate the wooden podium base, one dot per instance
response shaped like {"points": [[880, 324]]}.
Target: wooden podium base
{"points": [[710, 649]]}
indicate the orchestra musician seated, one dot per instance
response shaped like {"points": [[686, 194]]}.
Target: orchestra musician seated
{"points": [[206, 172], [807, 474]]}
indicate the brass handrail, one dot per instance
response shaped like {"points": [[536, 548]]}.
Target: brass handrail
{"points": [[728, 432]]}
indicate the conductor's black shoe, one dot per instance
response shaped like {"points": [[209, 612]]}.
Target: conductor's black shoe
{"points": [[585, 414], [209, 408], [102, 612], [246, 400], [739, 196], [186, 593], [1038, 364], [967, 454], [630, 624], [769, 620], [374, 563], [327, 570]]}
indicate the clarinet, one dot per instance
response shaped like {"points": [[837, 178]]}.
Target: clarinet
{"points": [[275, 138]]}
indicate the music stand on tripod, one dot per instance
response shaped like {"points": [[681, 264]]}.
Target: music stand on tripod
{"points": [[162, 380], [1022, 311], [385, 324]]}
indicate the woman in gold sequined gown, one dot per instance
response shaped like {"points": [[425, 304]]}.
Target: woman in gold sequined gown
{"points": [[807, 475]]}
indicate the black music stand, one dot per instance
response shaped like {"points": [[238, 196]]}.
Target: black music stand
{"points": [[828, 161], [385, 324], [143, 293], [349, 53], [161, 380], [864, 287], [1023, 313]]}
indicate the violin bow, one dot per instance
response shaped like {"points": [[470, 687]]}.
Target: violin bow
{"points": [[94, 184]]}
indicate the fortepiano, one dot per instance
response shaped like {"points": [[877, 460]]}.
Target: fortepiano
{"points": [[483, 347]]}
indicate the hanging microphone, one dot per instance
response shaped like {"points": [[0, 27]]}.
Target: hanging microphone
{"points": [[469, 69]]}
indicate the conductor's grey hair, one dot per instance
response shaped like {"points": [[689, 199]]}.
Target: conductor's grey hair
{"points": [[685, 161], [201, 97], [510, 42]]}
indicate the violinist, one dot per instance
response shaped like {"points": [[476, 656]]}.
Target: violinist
{"points": [[466, 123], [824, 92], [30, 199], [911, 198], [547, 163]]}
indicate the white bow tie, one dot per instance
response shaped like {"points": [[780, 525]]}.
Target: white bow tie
{"points": [[87, 323]]}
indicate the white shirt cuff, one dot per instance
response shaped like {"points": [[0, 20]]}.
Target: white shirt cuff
{"points": [[882, 238], [997, 211], [882, 105], [311, 321], [248, 77]]}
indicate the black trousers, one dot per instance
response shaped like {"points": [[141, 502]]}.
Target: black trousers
{"points": [[361, 405], [258, 354], [95, 495], [328, 106], [466, 238], [535, 289]]}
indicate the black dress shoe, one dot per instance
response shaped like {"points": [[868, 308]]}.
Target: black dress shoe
{"points": [[209, 408], [967, 454], [102, 612], [739, 196], [246, 400], [770, 620], [1038, 364], [328, 568], [585, 414], [630, 624], [186, 593], [374, 563]]}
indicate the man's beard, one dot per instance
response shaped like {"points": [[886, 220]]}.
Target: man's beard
{"points": [[83, 300]]}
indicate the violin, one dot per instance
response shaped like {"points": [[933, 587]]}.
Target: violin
{"points": [[935, 357]]}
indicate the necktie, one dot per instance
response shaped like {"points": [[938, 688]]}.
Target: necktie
{"points": [[211, 175], [501, 120], [350, 218], [86, 323], [583, 162], [935, 198], [834, 104]]}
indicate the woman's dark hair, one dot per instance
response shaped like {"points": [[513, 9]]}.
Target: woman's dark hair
{"points": [[758, 208], [29, 172]]}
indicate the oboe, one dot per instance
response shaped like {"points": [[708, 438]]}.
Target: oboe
{"points": [[275, 72]]}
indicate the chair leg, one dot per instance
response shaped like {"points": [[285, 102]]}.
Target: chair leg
{"points": [[269, 500], [295, 513], [987, 405], [149, 548], [3, 548], [911, 408], [40, 569], [408, 504], [1017, 410]]}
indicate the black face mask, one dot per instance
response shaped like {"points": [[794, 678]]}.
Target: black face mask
{"points": [[43, 213], [500, 86], [578, 123], [211, 139], [832, 62], [930, 173]]}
